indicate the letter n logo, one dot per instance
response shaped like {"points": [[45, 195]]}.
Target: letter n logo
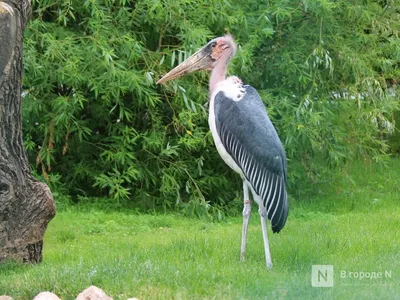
{"points": [[322, 276]]}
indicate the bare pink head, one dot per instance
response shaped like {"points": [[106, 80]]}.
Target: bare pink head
{"points": [[213, 56]]}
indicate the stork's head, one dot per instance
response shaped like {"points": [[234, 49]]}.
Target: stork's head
{"points": [[216, 51]]}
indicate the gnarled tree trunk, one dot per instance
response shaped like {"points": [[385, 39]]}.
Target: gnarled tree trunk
{"points": [[26, 205]]}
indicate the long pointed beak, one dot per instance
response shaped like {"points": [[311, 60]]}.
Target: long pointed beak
{"points": [[200, 60]]}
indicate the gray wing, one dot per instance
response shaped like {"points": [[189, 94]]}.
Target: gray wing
{"points": [[251, 140]]}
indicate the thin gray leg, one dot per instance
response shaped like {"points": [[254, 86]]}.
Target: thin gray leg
{"points": [[246, 217], [263, 214]]}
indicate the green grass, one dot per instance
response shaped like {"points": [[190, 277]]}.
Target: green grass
{"points": [[354, 227]]}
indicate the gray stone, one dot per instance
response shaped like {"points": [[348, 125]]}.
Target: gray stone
{"points": [[46, 296], [93, 293]]}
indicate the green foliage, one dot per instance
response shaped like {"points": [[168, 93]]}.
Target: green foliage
{"points": [[93, 115], [394, 140]]}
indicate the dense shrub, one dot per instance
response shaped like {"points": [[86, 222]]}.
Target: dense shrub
{"points": [[95, 121]]}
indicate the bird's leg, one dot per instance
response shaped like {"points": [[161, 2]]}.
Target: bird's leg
{"points": [[246, 217], [263, 214]]}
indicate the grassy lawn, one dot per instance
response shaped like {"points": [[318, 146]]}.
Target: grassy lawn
{"points": [[354, 226]]}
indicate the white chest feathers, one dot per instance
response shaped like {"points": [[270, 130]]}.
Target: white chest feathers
{"points": [[232, 87]]}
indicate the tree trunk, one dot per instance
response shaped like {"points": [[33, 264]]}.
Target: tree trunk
{"points": [[26, 205]]}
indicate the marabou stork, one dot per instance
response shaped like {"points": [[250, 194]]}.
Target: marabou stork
{"points": [[244, 136]]}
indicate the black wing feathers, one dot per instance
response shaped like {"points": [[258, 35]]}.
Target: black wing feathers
{"points": [[250, 138]]}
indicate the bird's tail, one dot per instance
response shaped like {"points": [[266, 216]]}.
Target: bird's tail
{"points": [[278, 214]]}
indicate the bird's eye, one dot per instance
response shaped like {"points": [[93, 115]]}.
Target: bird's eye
{"points": [[213, 44]]}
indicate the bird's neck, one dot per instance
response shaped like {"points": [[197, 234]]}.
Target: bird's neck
{"points": [[218, 73]]}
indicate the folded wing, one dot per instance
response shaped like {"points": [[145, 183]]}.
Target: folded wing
{"points": [[251, 140]]}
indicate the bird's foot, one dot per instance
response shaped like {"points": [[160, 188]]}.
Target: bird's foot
{"points": [[242, 256]]}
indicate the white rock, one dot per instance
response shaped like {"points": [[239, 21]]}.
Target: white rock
{"points": [[46, 296], [5, 297], [93, 293]]}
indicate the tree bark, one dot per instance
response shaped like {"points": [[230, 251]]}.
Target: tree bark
{"points": [[26, 205]]}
